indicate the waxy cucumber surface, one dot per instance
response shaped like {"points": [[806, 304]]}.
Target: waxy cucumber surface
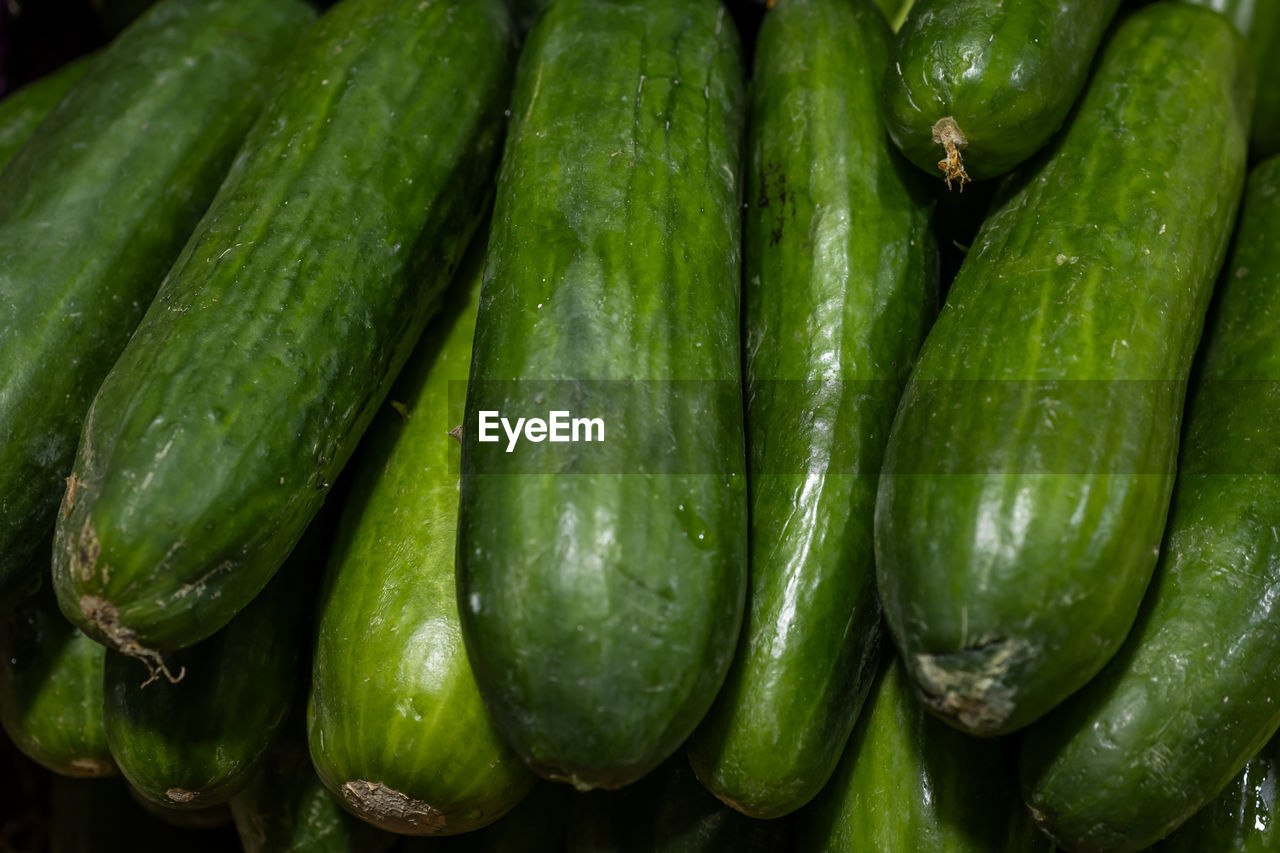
{"points": [[1195, 690], [601, 585], [992, 79], [397, 726], [841, 283], [218, 433], [51, 689], [1029, 468], [93, 210], [909, 782]]}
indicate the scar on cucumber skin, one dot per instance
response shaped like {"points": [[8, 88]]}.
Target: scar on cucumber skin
{"points": [[180, 795], [948, 134], [456, 432], [389, 809], [73, 486], [975, 696], [91, 768], [103, 616]]}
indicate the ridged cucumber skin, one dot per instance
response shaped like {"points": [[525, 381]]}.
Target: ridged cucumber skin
{"points": [[1028, 472], [908, 781], [147, 134], [193, 736], [1259, 21], [1006, 73], [22, 111], [397, 726], [667, 812], [216, 436], [51, 690], [285, 808], [841, 284], [1195, 689], [1241, 819], [601, 600]]}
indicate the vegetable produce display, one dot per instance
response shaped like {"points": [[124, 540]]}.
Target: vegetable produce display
{"points": [[644, 426]]}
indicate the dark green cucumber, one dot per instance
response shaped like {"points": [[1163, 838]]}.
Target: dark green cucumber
{"points": [[1192, 693], [93, 210], [194, 737], [216, 436], [285, 808], [22, 111], [101, 816], [667, 812], [1241, 819], [1259, 21], [984, 84], [909, 782], [841, 284], [601, 584], [397, 727], [115, 15], [538, 824], [1027, 477], [51, 689]]}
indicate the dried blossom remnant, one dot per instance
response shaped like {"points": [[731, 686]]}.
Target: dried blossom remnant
{"points": [[948, 134]]}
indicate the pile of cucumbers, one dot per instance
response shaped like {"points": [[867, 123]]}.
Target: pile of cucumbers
{"points": [[917, 482]]}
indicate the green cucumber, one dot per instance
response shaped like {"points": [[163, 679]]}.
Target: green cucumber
{"points": [[907, 781], [601, 584], [1028, 473], [841, 284], [667, 812], [984, 84], [147, 135], [51, 689], [397, 727], [216, 436], [1242, 819], [193, 739], [285, 808], [1259, 21], [1127, 759], [22, 111]]}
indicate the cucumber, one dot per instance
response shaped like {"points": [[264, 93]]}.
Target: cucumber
{"points": [[841, 284], [397, 727], [1028, 472], [201, 462], [193, 739], [1259, 21], [667, 812], [1242, 819], [984, 84], [147, 135], [285, 808], [51, 690], [1125, 761], [601, 584], [22, 111], [538, 824], [909, 782]]}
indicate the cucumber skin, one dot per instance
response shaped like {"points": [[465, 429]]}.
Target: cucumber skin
{"points": [[51, 690], [74, 281], [1259, 21], [1124, 761], [636, 609], [393, 700], [1008, 73], [22, 111], [841, 284], [1241, 819], [200, 466], [285, 808], [989, 507], [907, 781], [205, 734]]}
